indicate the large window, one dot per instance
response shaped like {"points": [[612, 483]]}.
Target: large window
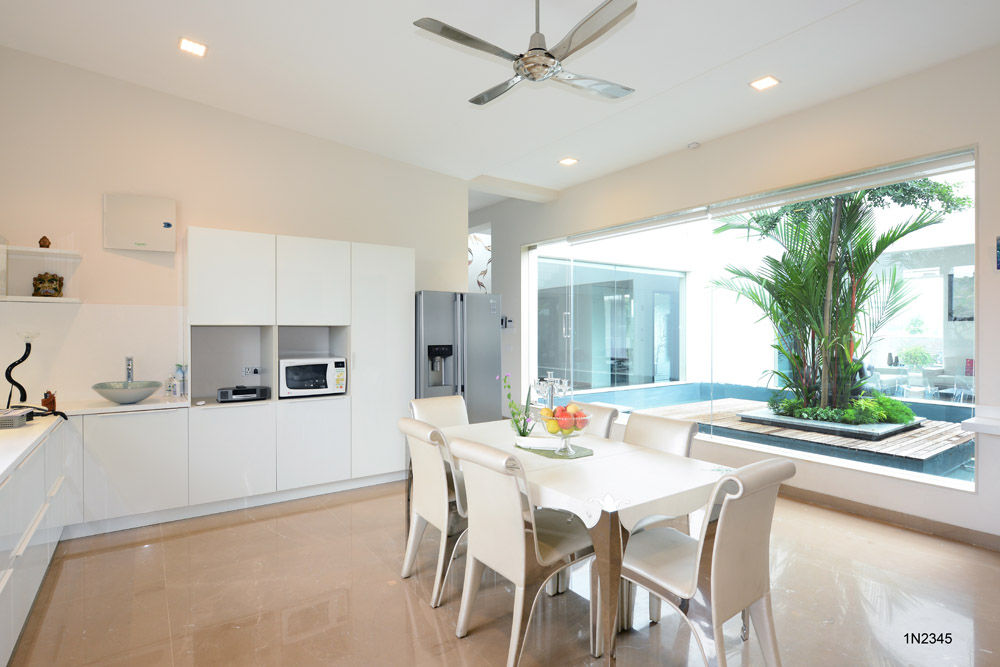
{"points": [[648, 320], [607, 325]]}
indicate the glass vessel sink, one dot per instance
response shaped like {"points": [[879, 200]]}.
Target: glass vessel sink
{"points": [[126, 392]]}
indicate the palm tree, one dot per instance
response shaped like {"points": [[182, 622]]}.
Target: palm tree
{"points": [[821, 294]]}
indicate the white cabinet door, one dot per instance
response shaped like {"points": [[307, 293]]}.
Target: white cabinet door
{"points": [[7, 634], [232, 451], [314, 441], [230, 277], [134, 463], [380, 375], [313, 281]]}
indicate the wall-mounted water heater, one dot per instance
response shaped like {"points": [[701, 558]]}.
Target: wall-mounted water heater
{"points": [[135, 222]]}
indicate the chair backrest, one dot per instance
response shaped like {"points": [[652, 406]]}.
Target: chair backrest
{"points": [[442, 412], [430, 471], [499, 528], [601, 419], [740, 557], [662, 433]]}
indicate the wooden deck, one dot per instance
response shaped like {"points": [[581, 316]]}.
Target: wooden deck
{"points": [[931, 439]]}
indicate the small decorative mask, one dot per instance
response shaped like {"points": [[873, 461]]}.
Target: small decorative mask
{"points": [[47, 284]]}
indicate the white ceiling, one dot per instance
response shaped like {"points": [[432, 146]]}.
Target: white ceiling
{"points": [[478, 200], [360, 73]]}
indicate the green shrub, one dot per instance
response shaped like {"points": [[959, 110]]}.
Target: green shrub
{"points": [[896, 412], [916, 356], [874, 409]]}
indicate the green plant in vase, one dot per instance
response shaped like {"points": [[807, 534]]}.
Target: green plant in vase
{"points": [[520, 415]]}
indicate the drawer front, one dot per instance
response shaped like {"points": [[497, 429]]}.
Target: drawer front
{"points": [[7, 634], [24, 493], [30, 563]]}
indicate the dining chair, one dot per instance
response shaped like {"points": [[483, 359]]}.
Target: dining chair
{"points": [[673, 436], [601, 419], [665, 561], [438, 500], [526, 546], [440, 412]]}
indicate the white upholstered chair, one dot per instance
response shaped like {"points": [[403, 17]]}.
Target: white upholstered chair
{"points": [[525, 546], [437, 500], [666, 561], [667, 435], [442, 411], [601, 419]]}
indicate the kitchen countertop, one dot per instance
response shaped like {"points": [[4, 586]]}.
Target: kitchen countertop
{"points": [[17, 443], [100, 405]]}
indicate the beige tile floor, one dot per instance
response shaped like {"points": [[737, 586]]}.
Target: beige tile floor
{"points": [[316, 582]]}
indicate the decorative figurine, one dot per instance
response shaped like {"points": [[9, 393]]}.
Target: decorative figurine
{"points": [[49, 401], [44, 242], [47, 284]]}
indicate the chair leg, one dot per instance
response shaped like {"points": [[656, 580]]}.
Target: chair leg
{"points": [[745, 630], [626, 605], [596, 637], [473, 577], [446, 555], [763, 624], [720, 645], [654, 609], [524, 602], [417, 526]]}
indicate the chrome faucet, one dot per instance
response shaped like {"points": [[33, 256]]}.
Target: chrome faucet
{"points": [[129, 369]]}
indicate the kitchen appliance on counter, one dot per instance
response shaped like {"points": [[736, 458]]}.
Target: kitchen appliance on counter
{"points": [[242, 393], [458, 350], [311, 376]]}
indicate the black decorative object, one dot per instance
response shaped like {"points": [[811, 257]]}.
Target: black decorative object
{"points": [[14, 383]]}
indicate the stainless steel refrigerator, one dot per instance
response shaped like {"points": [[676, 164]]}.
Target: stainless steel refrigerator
{"points": [[458, 350]]}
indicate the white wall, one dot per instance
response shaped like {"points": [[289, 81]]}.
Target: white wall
{"points": [[67, 136], [937, 110]]}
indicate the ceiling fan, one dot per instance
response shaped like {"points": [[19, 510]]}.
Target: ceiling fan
{"points": [[540, 63]]}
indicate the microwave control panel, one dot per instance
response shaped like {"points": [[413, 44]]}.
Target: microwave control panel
{"points": [[340, 377]]}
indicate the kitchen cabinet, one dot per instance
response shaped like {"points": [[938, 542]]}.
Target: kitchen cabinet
{"points": [[381, 368], [230, 277], [312, 281], [232, 451], [314, 441], [134, 463]]}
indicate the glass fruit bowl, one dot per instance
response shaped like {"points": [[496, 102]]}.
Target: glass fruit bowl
{"points": [[564, 421]]}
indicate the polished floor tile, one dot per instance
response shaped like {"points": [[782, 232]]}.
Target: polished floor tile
{"points": [[316, 582]]}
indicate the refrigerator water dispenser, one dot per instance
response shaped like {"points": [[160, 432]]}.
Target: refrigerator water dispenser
{"points": [[436, 356]]}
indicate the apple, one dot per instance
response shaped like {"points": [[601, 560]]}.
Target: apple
{"points": [[560, 410], [566, 422], [572, 408], [581, 420]]}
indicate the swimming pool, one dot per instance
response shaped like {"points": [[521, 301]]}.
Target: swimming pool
{"points": [[957, 463]]}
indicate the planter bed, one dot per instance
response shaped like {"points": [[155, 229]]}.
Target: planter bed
{"points": [[873, 432]]}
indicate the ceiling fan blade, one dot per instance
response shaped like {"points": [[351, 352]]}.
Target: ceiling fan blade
{"points": [[462, 37], [595, 24], [599, 86], [496, 91]]}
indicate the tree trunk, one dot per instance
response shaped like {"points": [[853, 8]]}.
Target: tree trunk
{"points": [[831, 265]]}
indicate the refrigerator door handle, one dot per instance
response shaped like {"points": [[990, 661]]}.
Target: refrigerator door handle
{"points": [[459, 365], [465, 344]]}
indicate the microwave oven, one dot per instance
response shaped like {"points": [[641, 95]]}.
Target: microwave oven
{"points": [[311, 376]]}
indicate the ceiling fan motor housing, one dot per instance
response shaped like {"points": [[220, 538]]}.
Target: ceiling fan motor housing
{"points": [[537, 64]]}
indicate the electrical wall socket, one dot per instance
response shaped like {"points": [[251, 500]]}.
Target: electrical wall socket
{"points": [[251, 370]]}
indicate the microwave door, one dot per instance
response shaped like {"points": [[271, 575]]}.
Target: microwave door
{"points": [[306, 379]]}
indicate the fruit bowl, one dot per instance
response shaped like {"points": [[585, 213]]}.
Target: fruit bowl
{"points": [[564, 421]]}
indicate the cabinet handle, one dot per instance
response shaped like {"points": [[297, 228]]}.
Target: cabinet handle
{"points": [[28, 534]]}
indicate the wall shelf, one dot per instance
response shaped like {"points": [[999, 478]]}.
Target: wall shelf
{"points": [[25, 251], [39, 299]]}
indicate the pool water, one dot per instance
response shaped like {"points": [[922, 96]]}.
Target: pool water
{"points": [[958, 463]]}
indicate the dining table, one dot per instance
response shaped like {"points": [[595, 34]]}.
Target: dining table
{"points": [[610, 491]]}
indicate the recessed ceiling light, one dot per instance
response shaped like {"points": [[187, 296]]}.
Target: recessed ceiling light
{"points": [[193, 48], [568, 161], [764, 83]]}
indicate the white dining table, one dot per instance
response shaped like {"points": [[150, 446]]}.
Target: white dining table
{"points": [[610, 491]]}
